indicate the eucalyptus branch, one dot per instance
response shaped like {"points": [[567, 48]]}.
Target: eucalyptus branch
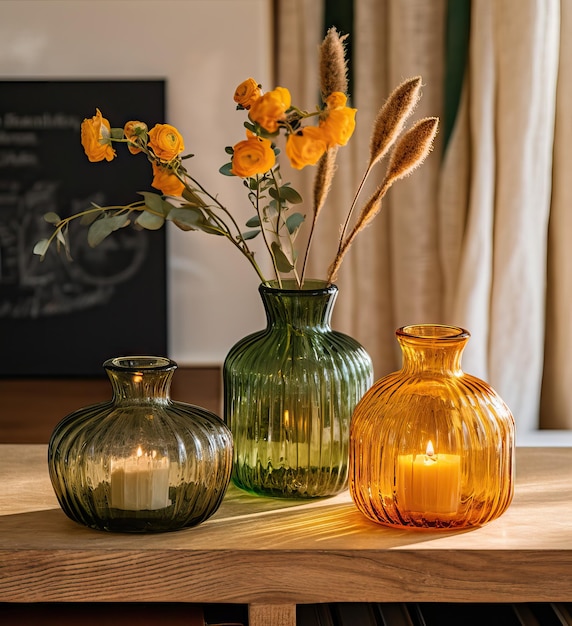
{"points": [[262, 219]]}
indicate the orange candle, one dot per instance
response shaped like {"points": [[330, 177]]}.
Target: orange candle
{"points": [[429, 483]]}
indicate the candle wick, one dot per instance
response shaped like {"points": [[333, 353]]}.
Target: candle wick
{"points": [[430, 457]]}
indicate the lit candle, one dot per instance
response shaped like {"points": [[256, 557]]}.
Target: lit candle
{"points": [[140, 482], [429, 483]]}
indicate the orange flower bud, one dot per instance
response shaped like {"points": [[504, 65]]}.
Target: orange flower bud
{"points": [[252, 156], [339, 126], [96, 138], [336, 100], [247, 93], [165, 141], [271, 108], [166, 181], [306, 146], [132, 131]]}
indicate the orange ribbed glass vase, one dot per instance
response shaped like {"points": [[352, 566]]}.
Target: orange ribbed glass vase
{"points": [[430, 446]]}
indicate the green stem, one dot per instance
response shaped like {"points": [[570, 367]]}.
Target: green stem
{"points": [[263, 231], [237, 241]]}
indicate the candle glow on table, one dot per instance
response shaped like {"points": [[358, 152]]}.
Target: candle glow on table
{"points": [[429, 483], [140, 482]]}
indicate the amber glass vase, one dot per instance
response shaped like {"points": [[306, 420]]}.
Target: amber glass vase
{"points": [[140, 462], [290, 391], [431, 446]]}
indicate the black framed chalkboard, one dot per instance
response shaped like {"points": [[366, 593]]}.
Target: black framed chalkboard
{"points": [[61, 317]]}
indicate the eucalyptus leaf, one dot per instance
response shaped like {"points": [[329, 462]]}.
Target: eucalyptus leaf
{"points": [[52, 218], [192, 197], [213, 229], [274, 193], [294, 221], [253, 222], [189, 216], [282, 261], [103, 227], [153, 201], [226, 169], [41, 247], [150, 221], [193, 218], [229, 150], [249, 234], [89, 218], [290, 195]]}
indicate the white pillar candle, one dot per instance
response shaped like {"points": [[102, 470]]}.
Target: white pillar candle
{"points": [[140, 482]]}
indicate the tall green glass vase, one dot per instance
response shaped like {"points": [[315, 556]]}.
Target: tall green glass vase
{"points": [[289, 393]]}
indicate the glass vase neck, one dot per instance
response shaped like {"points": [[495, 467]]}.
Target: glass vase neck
{"points": [[432, 348], [310, 306], [140, 378]]}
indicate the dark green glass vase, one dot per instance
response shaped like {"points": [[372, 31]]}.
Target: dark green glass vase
{"points": [[289, 393], [140, 462]]}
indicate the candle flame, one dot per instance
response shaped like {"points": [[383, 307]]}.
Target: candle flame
{"points": [[139, 451], [137, 378], [286, 419], [429, 451]]}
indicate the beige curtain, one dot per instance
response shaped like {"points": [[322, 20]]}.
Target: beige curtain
{"points": [[465, 239]]}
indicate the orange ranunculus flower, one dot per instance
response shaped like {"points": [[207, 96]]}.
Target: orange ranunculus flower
{"points": [[96, 138], [339, 126], [271, 108], [306, 146], [166, 141], [132, 131], [247, 93], [336, 100], [252, 156], [166, 181]]}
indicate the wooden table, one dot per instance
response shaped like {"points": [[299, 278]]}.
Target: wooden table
{"points": [[273, 554]]}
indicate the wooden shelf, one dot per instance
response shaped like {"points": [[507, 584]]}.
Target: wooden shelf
{"points": [[273, 554]]}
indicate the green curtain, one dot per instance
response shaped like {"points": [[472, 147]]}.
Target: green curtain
{"points": [[340, 13], [457, 31]]}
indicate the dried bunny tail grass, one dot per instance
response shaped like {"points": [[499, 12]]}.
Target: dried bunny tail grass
{"points": [[412, 149], [324, 177], [392, 117], [333, 64], [408, 154], [387, 127]]}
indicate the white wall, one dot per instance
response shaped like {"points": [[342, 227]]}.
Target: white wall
{"points": [[203, 48]]}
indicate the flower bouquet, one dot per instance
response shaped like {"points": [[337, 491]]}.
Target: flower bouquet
{"points": [[312, 138]]}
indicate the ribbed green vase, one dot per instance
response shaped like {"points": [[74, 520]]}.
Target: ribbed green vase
{"points": [[289, 393]]}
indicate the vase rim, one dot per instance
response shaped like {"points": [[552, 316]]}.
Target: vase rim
{"points": [[138, 363], [289, 286], [441, 332]]}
